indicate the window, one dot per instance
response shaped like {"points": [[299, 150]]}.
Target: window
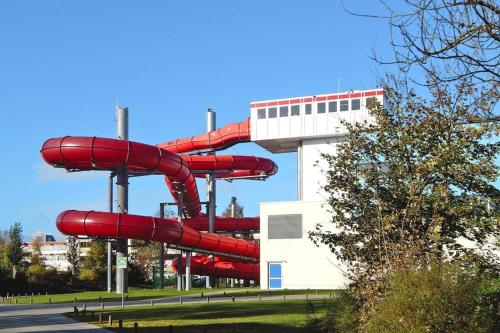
{"points": [[332, 106], [295, 110], [308, 108], [344, 105], [370, 100], [355, 104], [322, 107], [272, 112], [275, 275], [286, 226], [283, 111], [261, 114]]}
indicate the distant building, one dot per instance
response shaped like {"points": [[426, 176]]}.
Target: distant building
{"points": [[54, 252]]}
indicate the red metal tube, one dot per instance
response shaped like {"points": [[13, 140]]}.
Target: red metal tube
{"points": [[201, 265], [114, 225]]}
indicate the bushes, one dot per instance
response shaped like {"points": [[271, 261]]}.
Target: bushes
{"points": [[442, 298], [341, 316]]}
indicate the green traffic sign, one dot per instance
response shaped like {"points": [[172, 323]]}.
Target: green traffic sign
{"points": [[121, 262]]}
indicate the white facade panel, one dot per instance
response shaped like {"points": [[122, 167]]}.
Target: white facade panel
{"points": [[284, 126], [295, 126], [303, 265], [313, 167]]}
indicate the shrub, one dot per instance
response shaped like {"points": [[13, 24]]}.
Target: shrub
{"points": [[442, 298], [341, 316]]}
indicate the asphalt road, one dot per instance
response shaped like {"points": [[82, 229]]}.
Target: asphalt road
{"points": [[50, 318]]}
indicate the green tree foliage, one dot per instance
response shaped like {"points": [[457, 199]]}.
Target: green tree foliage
{"points": [[36, 269], [15, 249], [411, 184], [73, 254], [94, 266], [145, 256], [4, 262], [238, 212]]}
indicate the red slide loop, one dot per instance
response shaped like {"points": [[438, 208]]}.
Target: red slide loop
{"points": [[96, 153]]}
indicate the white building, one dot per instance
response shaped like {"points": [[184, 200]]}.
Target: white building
{"points": [[54, 252], [310, 126]]}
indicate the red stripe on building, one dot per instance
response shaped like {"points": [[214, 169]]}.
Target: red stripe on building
{"points": [[354, 95], [322, 98], [308, 100], [283, 103], [331, 97], [295, 101]]}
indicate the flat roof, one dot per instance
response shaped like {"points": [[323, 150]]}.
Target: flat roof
{"points": [[317, 98]]}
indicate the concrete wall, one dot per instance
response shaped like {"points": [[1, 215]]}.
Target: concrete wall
{"points": [[303, 264]]}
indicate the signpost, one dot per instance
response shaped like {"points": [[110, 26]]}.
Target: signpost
{"points": [[122, 264]]}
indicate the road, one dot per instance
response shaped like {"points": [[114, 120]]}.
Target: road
{"points": [[50, 318]]}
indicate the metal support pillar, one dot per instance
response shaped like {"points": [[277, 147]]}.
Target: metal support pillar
{"points": [[233, 214], [180, 203], [110, 249], [162, 251], [122, 197], [211, 207], [188, 270]]}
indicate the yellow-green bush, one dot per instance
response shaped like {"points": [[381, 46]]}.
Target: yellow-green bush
{"points": [[440, 298]]}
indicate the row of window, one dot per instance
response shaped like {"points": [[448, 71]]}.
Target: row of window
{"points": [[321, 107]]}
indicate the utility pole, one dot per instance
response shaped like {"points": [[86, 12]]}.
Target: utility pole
{"points": [[210, 184], [122, 196], [162, 251], [110, 251]]}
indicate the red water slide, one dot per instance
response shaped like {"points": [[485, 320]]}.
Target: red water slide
{"points": [[94, 153]]}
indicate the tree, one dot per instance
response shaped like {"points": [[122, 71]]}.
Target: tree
{"points": [[449, 40], [238, 211], [15, 249], [409, 186], [145, 256], [36, 270], [36, 255], [73, 254], [94, 263]]}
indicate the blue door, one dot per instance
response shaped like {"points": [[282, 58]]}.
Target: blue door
{"points": [[275, 276]]}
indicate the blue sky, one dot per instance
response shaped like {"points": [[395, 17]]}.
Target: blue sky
{"points": [[65, 64]]}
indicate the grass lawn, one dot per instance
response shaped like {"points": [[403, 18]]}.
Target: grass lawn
{"points": [[257, 292], [264, 316], [93, 296]]}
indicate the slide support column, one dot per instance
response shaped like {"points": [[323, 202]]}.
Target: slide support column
{"points": [[110, 249], [162, 251], [180, 202], [122, 197]]}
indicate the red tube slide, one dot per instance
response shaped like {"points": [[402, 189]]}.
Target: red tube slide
{"points": [[202, 265], [94, 153], [221, 138], [101, 224]]}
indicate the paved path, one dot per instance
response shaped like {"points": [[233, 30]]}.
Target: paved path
{"points": [[50, 318], [42, 318]]}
